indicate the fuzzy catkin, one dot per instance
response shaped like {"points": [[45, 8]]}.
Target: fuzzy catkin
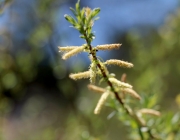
{"points": [[119, 83], [92, 72], [131, 92], [80, 75], [72, 52], [119, 63], [101, 102], [96, 89], [108, 46], [68, 48], [150, 111]]}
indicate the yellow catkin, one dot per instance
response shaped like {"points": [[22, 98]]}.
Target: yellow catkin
{"points": [[108, 46], [101, 102], [131, 92], [139, 119], [80, 75], [92, 72], [96, 89], [119, 63], [119, 83], [149, 111], [73, 52], [68, 48]]}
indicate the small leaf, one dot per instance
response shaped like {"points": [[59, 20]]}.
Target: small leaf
{"points": [[95, 12], [79, 19], [82, 12], [70, 19], [96, 18], [73, 10], [83, 19], [78, 7], [82, 36], [81, 30], [91, 35], [77, 26], [89, 30], [111, 115], [89, 20], [175, 118]]}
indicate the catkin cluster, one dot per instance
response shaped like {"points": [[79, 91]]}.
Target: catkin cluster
{"points": [[119, 89], [95, 72], [83, 22]]}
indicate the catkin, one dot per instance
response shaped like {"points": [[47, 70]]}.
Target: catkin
{"points": [[131, 92], [119, 83], [96, 89], [108, 46], [73, 52], [80, 75], [150, 111], [92, 72], [68, 48], [119, 63], [101, 102]]}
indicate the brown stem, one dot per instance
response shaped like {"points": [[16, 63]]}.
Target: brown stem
{"points": [[105, 76]]}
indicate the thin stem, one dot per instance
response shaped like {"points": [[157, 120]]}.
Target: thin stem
{"points": [[105, 76], [103, 73]]}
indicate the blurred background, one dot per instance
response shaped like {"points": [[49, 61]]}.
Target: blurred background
{"points": [[37, 98]]}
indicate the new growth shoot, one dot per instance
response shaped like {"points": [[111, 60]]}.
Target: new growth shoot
{"points": [[83, 22]]}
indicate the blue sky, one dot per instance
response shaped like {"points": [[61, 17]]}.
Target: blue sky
{"points": [[118, 15]]}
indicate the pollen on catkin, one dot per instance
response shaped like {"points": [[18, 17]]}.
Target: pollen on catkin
{"points": [[131, 92], [150, 112], [80, 75], [101, 102], [96, 89], [119, 83], [73, 52], [119, 63], [92, 72], [68, 48], [108, 46]]}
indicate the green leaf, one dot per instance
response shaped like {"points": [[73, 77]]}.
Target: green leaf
{"points": [[95, 12], [175, 119], [78, 7], [91, 36], [89, 19], [77, 26], [73, 10], [82, 36], [79, 19], [111, 115], [70, 19], [83, 19], [89, 30], [81, 30], [96, 18], [82, 12]]}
